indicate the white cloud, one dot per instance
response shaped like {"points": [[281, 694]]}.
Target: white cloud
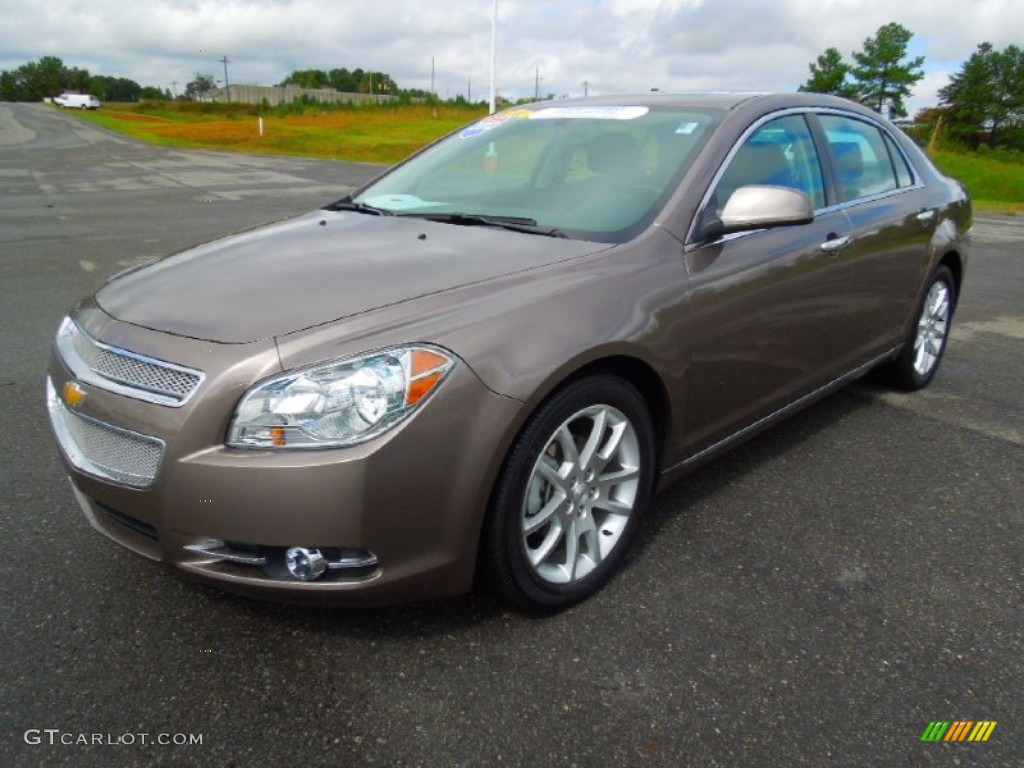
{"points": [[614, 45]]}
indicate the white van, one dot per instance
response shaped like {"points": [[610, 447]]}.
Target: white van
{"points": [[77, 101]]}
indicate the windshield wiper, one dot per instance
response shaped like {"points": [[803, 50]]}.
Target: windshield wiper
{"points": [[348, 204], [513, 223]]}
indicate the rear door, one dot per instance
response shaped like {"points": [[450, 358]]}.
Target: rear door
{"points": [[891, 226]]}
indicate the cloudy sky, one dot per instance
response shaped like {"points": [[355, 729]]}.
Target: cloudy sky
{"points": [[614, 46]]}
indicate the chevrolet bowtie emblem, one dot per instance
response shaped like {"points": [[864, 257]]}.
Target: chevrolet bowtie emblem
{"points": [[73, 394]]}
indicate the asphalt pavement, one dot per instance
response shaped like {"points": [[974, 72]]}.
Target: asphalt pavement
{"points": [[815, 598]]}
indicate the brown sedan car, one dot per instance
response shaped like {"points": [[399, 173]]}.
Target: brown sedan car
{"points": [[484, 362]]}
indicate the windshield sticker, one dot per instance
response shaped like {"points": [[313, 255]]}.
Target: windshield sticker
{"points": [[590, 113], [687, 128], [493, 121], [399, 202]]}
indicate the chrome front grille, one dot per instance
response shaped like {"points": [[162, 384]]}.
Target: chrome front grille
{"points": [[103, 450], [124, 372]]}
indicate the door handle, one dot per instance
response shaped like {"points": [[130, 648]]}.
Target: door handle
{"points": [[835, 244], [926, 216]]}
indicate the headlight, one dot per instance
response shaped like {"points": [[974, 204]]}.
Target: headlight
{"points": [[339, 403]]}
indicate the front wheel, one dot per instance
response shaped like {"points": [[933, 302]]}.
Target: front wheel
{"points": [[917, 362], [567, 502]]}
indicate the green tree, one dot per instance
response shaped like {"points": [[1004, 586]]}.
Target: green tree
{"points": [[9, 86], [882, 76], [75, 79], [152, 92], [986, 96], [198, 88], [48, 76], [307, 78], [378, 83], [115, 88], [37, 80], [342, 80], [355, 81], [829, 75]]}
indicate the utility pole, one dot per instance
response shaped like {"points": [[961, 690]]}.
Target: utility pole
{"points": [[586, 86], [536, 85], [174, 89], [227, 85], [469, 90], [494, 58]]}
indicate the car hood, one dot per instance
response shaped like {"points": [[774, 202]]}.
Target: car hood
{"points": [[315, 269]]}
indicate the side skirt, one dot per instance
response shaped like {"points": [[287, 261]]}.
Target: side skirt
{"points": [[766, 421]]}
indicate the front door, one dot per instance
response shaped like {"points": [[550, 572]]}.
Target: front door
{"points": [[770, 312]]}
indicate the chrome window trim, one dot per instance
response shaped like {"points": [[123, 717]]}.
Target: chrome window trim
{"points": [[918, 184], [866, 119], [84, 372], [868, 199], [846, 204]]}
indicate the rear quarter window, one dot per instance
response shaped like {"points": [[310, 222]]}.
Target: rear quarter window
{"points": [[904, 176]]}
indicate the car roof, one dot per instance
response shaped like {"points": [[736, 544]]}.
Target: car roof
{"points": [[724, 100]]}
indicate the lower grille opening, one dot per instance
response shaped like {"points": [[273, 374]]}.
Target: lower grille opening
{"points": [[136, 526]]}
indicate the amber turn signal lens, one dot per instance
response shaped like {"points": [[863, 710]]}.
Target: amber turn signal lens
{"points": [[425, 361], [420, 388], [426, 368]]}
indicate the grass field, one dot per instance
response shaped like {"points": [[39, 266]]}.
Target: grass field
{"points": [[996, 186], [385, 134], [374, 134]]}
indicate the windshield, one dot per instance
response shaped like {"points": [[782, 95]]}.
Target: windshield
{"points": [[597, 173]]}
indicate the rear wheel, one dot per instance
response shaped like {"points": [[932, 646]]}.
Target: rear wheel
{"points": [[569, 497], [918, 361]]}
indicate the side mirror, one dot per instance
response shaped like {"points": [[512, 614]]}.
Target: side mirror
{"points": [[758, 207]]}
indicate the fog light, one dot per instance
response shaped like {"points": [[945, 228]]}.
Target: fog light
{"points": [[305, 564]]}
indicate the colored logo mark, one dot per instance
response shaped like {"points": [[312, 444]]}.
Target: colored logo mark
{"points": [[958, 730], [73, 394]]}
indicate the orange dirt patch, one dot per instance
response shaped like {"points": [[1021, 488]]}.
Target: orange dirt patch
{"points": [[134, 117]]}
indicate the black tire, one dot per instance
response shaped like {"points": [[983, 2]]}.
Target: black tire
{"points": [[917, 362], [598, 507]]}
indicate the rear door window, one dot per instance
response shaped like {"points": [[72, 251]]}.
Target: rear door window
{"points": [[864, 163]]}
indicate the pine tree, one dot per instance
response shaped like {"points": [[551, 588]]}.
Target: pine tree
{"points": [[883, 78], [986, 95], [828, 75]]}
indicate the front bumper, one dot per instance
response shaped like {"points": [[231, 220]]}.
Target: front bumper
{"points": [[400, 515]]}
